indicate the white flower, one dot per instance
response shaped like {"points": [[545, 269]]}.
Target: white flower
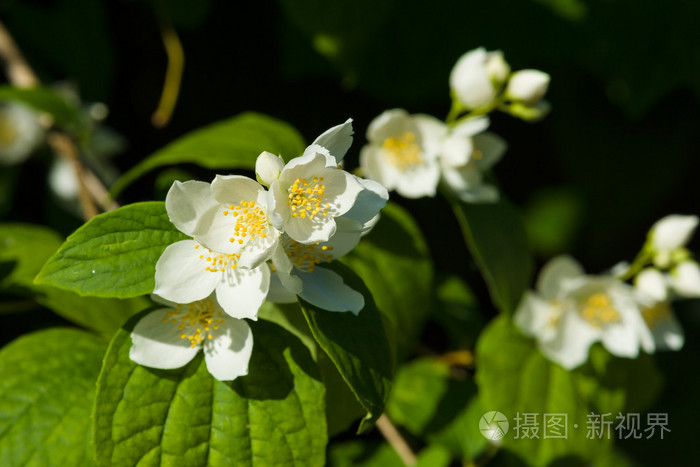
{"points": [[402, 153], [169, 338], [466, 179], [527, 86], [63, 181], [477, 77], [298, 271], [654, 300], [669, 235], [187, 272], [20, 132], [311, 191], [268, 167], [230, 216], [571, 311]]}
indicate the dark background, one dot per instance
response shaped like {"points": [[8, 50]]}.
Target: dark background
{"points": [[618, 151]]}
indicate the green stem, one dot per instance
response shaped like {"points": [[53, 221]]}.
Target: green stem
{"points": [[642, 260]]}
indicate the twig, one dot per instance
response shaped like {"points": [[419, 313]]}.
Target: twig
{"points": [[16, 67], [173, 74], [20, 74], [392, 435]]}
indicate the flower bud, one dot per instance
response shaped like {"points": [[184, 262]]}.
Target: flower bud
{"points": [[476, 77], [528, 86], [685, 279], [672, 232], [268, 168]]}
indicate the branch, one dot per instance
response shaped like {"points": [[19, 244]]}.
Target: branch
{"points": [[392, 435], [20, 74]]}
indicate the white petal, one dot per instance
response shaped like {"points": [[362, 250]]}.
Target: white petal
{"points": [[376, 167], [432, 133], [483, 193], [457, 150], [668, 334], [673, 231], [268, 167], [533, 315], [280, 260], [215, 230], [470, 82], [243, 291], [337, 140], [621, 339], [346, 237], [187, 202], [685, 279], [369, 202], [527, 86], [232, 189], [570, 346], [497, 67], [652, 283], [419, 181], [555, 272], [342, 190], [305, 230], [280, 293], [326, 289], [472, 126], [228, 354], [491, 148], [157, 344], [181, 274], [389, 123], [315, 158], [258, 249]]}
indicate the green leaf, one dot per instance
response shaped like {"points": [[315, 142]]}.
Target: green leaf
{"points": [[515, 378], [357, 345], [45, 100], [234, 143], [342, 407], [434, 402], [273, 416], [27, 246], [114, 254], [47, 387], [394, 263], [497, 240]]}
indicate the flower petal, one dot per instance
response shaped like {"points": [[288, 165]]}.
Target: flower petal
{"points": [[685, 279], [232, 189], [326, 289], [652, 283], [472, 126], [470, 82], [673, 232], [157, 344], [181, 274], [320, 229], [533, 315], [553, 275], [668, 334], [268, 167], [342, 190], [228, 353], [280, 293], [456, 150], [369, 201], [389, 123], [242, 292], [420, 181], [187, 202], [376, 167], [337, 140], [570, 346], [491, 147]]}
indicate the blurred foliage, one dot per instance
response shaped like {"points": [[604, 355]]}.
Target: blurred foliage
{"points": [[617, 152]]}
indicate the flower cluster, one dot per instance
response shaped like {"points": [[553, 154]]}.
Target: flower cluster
{"points": [[570, 310], [413, 153], [252, 241]]}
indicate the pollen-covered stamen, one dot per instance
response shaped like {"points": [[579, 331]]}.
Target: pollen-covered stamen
{"points": [[305, 198], [251, 221], [402, 151], [197, 321], [217, 262], [599, 311], [306, 257], [656, 314]]}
